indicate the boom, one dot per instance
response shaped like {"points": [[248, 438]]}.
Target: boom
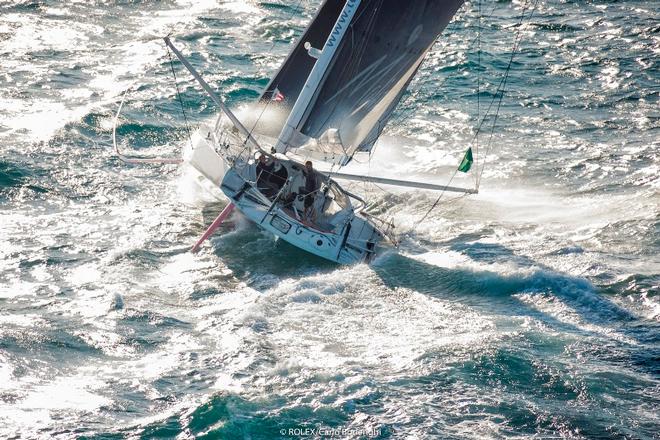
{"points": [[405, 183]]}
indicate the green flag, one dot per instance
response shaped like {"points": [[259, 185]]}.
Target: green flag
{"points": [[466, 163]]}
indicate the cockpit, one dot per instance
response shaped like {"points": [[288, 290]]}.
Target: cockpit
{"points": [[312, 199]]}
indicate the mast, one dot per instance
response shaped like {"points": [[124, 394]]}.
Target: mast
{"points": [[234, 120], [316, 75], [375, 62]]}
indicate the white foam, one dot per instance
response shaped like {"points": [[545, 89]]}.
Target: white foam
{"points": [[80, 392]]}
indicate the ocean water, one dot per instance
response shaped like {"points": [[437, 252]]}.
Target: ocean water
{"points": [[530, 310]]}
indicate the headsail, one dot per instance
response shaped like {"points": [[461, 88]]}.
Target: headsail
{"points": [[377, 58]]}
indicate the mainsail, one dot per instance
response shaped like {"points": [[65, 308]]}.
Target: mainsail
{"points": [[286, 85], [371, 67]]}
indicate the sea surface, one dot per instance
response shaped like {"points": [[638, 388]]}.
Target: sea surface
{"points": [[530, 310]]}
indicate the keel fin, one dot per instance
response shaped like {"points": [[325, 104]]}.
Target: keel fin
{"points": [[215, 225]]}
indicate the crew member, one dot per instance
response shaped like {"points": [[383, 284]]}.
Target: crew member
{"points": [[311, 186], [279, 176]]}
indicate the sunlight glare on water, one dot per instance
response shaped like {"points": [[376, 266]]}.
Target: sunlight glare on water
{"points": [[529, 310]]}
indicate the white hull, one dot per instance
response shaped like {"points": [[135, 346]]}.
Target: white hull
{"points": [[346, 237], [349, 239], [203, 157]]}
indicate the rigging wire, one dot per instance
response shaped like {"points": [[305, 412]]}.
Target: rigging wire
{"points": [[151, 160], [265, 107], [245, 142], [404, 113], [476, 144], [133, 159], [178, 94], [254, 126], [501, 88], [500, 91], [503, 83]]}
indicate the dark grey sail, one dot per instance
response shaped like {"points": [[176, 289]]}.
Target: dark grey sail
{"points": [[376, 60], [286, 85]]}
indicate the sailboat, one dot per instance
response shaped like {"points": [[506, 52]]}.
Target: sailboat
{"points": [[332, 97]]}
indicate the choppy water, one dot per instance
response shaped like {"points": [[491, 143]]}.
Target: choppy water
{"points": [[530, 310]]}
